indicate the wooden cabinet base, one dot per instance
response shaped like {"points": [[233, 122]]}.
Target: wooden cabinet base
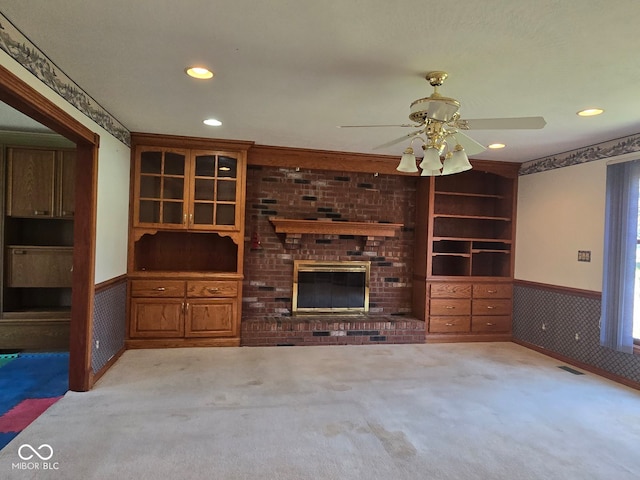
{"points": [[467, 337], [34, 334], [183, 342]]}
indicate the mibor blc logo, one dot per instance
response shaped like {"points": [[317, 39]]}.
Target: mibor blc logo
{"points": [[35, 458]]}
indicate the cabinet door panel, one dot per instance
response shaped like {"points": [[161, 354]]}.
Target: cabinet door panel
{"points": [[155, 318], [39, 266], [67, 177], [31, 181], [211, 318]]}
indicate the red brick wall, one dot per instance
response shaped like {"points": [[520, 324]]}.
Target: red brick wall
{"points": [[339, 196]]}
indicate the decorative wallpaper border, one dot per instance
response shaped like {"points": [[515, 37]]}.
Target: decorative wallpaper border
{"points": [[598, 151], [20, 48]]}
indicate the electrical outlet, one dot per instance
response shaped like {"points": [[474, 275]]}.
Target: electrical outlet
{"points": [[544, 326], [97, 344], [584, 255], [577, 337]]}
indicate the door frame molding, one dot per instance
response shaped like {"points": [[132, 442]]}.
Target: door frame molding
{"points": [[19, 95]]}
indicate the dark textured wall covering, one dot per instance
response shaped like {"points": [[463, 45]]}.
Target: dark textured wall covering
{"points": [[564, 316], [109, 324]]}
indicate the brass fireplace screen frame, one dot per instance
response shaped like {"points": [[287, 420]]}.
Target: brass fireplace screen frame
{"points": [[323, 266]]}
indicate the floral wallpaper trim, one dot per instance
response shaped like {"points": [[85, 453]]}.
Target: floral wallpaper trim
{"points": [[20, 48], [598, 151]]}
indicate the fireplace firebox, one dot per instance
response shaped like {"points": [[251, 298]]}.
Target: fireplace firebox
{"points": [[330, 287]]}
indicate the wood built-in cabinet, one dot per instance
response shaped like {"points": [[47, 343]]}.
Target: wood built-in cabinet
{"points": [[186, 245], [463, 262], [38, 247]]}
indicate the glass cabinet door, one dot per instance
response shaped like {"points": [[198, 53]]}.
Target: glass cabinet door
{"points": [[162, 188], [214, 191]]}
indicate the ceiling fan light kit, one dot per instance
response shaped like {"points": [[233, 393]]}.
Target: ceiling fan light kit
{"points": [[437, 119]]}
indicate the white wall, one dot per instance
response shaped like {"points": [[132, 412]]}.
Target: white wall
{"points": [[113, 182], [560, 212]]}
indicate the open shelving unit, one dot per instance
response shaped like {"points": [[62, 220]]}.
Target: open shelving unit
{"points": [[463, 264]]}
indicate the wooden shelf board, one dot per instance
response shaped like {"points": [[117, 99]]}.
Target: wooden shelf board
{"points": [[473, 239], [451, 254], [465, 194], [471, 217], [289, 225]]}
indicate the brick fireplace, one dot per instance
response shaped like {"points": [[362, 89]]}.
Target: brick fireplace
{"points": [[327, 196]]}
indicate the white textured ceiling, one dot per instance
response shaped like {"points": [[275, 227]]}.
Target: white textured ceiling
{"points": [[289, 71]]}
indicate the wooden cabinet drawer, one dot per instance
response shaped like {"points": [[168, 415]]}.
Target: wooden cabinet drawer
{"points": [[491, 307], [449, 306], [492, 290], [29, 266], [218, 289], [157, 288], [491, 323], [450, 290], [452, 324]]}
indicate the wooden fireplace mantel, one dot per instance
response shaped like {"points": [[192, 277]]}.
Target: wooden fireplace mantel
{"points": [[368, 229]]}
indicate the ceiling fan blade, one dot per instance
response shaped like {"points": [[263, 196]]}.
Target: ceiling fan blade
{"points": [[523, 123], [369, 126], [398, 140], [471, 147]]}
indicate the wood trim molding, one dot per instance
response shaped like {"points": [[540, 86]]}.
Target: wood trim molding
{"points": [[289, 157], [19, 95], [178, 141], [269, 156], [289, 225], [559, 289], [29, 101], [98, 375], [583, 366], [110, 283]]}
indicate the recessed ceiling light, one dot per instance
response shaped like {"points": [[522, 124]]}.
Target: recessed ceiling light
{"points": [[590, 112], [497, 145], [212, 122], [199, 72]]}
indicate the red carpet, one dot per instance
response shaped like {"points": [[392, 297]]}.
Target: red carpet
{"points": [[24, 413]]}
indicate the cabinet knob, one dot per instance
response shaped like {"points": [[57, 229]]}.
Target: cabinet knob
{"points": [[160, 289], [41, 212]]}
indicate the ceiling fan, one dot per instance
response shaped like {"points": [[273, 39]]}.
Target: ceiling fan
{"points": [[437, 118]]}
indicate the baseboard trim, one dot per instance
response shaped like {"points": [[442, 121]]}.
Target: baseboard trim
{"points": [[98, 375], [584, 366], [466, 337]]}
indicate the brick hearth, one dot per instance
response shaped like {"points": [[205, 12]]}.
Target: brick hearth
{"points": [[297, 331]]}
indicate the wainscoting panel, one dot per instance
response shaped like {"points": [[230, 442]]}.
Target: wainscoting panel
{"points": [[567, 324], [109, 323]]}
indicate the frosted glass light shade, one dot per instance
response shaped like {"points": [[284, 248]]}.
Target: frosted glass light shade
{"points": [[431, 160], [459, 162], [407, 162]]}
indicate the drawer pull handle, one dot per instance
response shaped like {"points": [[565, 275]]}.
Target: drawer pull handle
{"points": [[213, 289], [41, 212], [492, 291], [449, 324], [159, 289], [184, 219], [20, 252], [489, 324], [450, 307], [66, 213], [490, 307]]}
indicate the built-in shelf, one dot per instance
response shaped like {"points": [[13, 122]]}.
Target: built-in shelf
{"points": [[321, 227]]}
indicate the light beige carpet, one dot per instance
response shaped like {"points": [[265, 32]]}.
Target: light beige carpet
{"points": [[450, 411]]}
